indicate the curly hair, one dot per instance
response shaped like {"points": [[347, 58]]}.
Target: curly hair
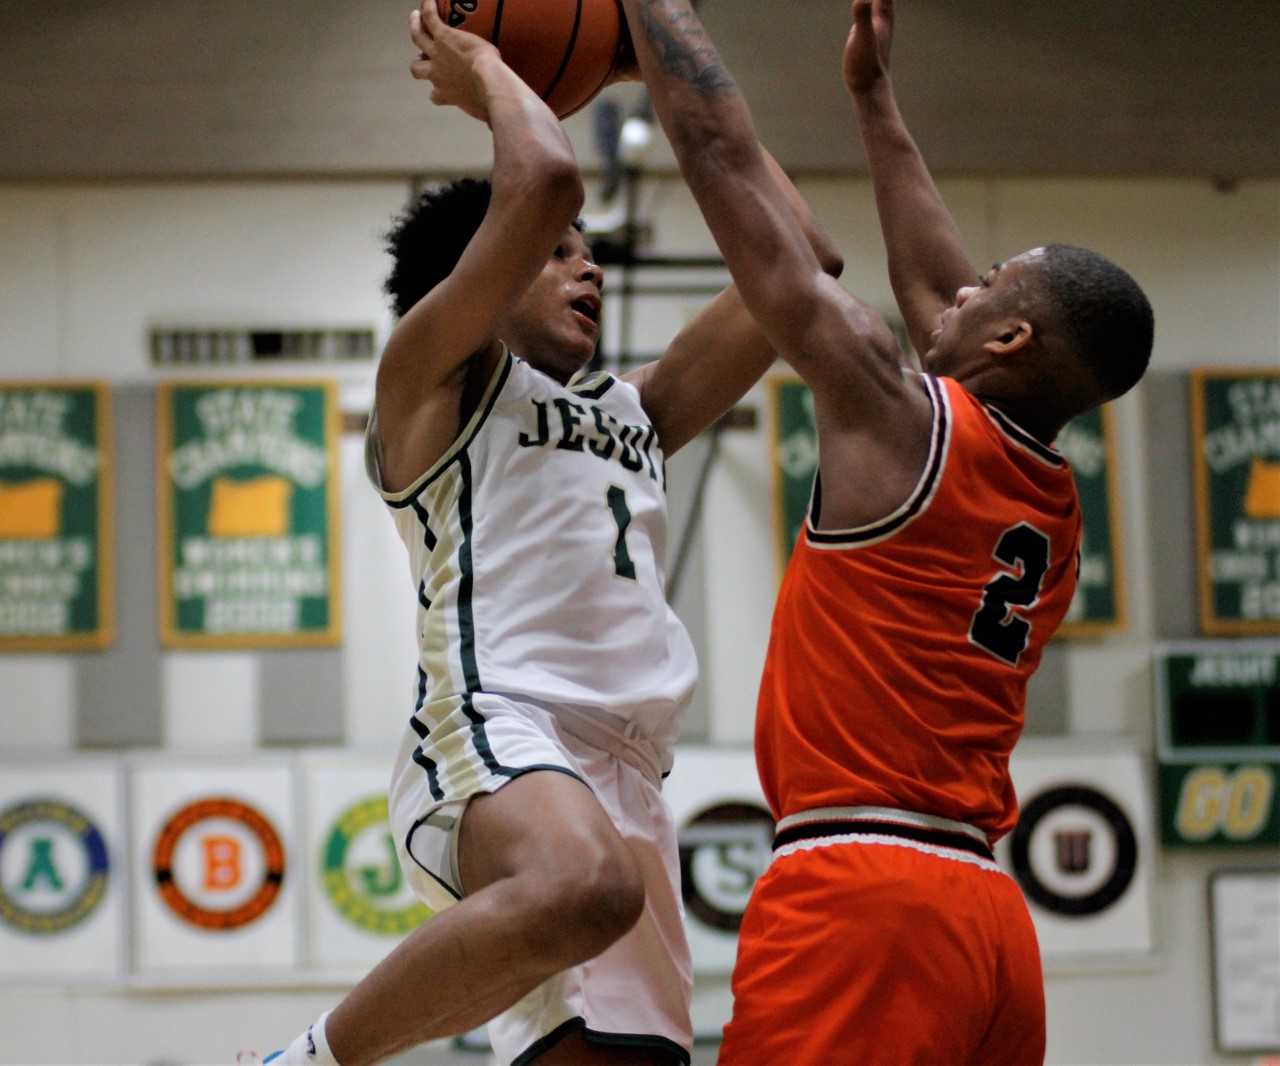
{"points": [[428, 239], [1104, 313]]}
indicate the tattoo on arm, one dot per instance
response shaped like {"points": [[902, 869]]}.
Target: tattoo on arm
{"points": [[683, 47]]}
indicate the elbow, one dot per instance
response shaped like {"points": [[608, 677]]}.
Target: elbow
{"points": [[559, 188], [829, 258]]}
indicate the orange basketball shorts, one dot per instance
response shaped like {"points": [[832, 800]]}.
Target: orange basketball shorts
{"points": [[865, 948]]}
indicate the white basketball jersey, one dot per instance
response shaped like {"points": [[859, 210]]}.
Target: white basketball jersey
{"points": [[537, 544]]}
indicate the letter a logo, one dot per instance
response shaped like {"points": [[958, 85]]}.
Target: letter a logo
{"points": [[221, 863], [40, 866]]}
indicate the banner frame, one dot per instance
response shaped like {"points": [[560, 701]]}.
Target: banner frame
{"points": [[170, 637], [104, 636], [1210, 624]]}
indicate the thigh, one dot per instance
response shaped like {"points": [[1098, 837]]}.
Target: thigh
{"points": [[629, 1004], [864, 953], [1017, 1033]]}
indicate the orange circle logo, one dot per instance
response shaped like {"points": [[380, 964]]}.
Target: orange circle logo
{"points": [[218, 863]]}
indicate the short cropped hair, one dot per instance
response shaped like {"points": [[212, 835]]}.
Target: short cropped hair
{"points": [[1103, 313], [428, 239]]}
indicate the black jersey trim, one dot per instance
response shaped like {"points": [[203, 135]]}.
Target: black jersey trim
{"points": [[408, 841], [467, 628], [407, 497], [921, 496], [597, 391], [419, 756], [594, 1036], [1024, 440], [568, 53], [858, 827], [428, 536]]}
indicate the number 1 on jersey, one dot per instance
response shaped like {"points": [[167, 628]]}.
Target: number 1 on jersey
{"points": [[622, 564]]}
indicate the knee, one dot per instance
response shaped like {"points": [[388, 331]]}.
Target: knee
{"points": [[581, 904]]}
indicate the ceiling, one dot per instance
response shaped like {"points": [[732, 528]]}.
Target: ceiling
{"points": [[143, 88]]}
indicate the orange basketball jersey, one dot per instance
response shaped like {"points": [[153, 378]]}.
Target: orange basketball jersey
{"points": [[900, 651]]}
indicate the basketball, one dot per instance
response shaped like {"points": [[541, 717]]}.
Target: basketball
{"points": [[564, 49]]}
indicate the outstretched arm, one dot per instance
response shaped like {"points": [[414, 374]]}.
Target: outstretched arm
{"points": [[722, 352], [425, 357], [927, 263], [874, 423]]}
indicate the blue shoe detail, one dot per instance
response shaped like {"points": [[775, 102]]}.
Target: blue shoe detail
{"points": [[272, 1057]]}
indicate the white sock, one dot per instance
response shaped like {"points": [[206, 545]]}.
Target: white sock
{"points": [[310, 1049]]}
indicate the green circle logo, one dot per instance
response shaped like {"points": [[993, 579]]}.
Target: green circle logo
{"points": [[362, 875], [54, 867]]}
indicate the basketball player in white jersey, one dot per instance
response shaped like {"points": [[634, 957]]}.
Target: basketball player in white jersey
{"points": [[552, 675]]}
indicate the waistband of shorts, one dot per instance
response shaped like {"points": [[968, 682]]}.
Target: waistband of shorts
{"points": [[627, 743], [881, 821]]}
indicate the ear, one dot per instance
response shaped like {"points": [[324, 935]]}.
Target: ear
{"points": [[1013, 336]]}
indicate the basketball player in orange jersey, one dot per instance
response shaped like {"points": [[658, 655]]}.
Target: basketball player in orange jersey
{"points": [[939, 555], [552, 675]]}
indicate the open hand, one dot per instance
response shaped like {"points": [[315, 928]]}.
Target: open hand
{"points": [[449, 58], [866, 53]]}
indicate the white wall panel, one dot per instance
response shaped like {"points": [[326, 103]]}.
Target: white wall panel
{"points": [[37, 702], [246, 254], [32, 256], [1209, 260]]}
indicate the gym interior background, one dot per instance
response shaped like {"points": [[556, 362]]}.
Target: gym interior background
{"points": [[197, 193]]}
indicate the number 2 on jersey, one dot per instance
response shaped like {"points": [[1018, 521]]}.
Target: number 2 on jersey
{"points": [[996, 627], [622, 564]]}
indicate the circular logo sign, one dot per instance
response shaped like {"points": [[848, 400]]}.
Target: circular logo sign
{"points": [[1074, 851], [219, 863], [723, 850], [53, 866], [362, 876]]}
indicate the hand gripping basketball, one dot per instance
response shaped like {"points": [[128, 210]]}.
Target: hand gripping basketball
{"points": [[448, 58], [565, 50]]}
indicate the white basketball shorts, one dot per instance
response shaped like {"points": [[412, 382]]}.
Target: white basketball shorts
{"points": [[637, 993]]}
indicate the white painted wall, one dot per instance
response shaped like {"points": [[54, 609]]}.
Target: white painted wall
{"points": [[85, 270]]}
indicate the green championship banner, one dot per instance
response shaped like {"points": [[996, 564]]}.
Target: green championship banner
{"points": [[1088, 442], [1235, 417], [794, 447], [248, 514], [56, 497]]}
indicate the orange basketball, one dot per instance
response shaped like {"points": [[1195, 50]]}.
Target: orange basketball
{"points": [[564, 49]]}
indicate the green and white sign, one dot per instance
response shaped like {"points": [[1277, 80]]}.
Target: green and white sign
{"points": [[248, 517], [362, 876], [795, 460], [56, 554], [1218, 740], [1099, 603], [1236, 455]]}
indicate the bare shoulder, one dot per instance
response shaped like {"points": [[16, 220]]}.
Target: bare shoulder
{"points": [[412, 438], [870, 468]]}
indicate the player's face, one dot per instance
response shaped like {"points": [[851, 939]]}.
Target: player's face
{"points": [[979, 313], [556, 323]]}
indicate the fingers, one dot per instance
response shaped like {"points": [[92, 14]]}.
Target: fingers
{"points": [[862, 12], [420, 37], [431, 19], [421, 69]]}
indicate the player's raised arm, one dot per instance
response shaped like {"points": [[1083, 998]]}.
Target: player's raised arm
{"points": [[927, 263], [810, 320], [722, 352], [874, 423], [533, 164]]}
